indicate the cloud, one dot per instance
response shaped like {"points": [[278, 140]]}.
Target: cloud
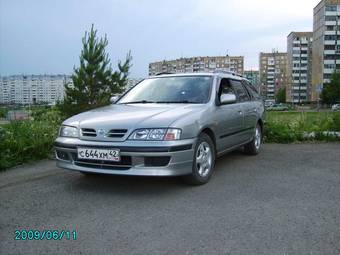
{"points": [[45, 36]]}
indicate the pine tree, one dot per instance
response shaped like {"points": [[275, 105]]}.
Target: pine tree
{"points": [[94, 81]]}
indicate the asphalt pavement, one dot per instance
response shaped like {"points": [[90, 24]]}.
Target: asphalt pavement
{"points": [[284, 201]]}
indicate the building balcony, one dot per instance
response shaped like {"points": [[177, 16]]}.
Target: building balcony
{"points": [[329, 52], [330, 32], [328, 71], [331, 13], [330, 23], [300, 88], [329, 42], [329, 61]]}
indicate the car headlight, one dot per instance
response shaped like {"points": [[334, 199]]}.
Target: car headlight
{"points": [[156, 134], [68, 131]]}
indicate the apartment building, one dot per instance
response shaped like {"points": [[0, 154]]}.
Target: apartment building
{"points": [[326, 44], [32, 89], [254, 77], [273, 73], [299, 70], [131, 83], [198, 64]]}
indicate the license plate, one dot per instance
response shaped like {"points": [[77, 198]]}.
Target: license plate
{"points": [[99, 154]]}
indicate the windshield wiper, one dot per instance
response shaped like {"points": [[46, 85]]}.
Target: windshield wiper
{"points": [[139, 102], [177, 102]]}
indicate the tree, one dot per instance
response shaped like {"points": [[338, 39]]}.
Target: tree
{"points": [[331, 91], [281, 96], [94, 81]]}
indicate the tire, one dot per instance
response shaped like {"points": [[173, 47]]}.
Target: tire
{"points": [[254, 147], [202, 171]]}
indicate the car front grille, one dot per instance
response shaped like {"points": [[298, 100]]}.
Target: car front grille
{"points": [[113, 133], [116, 133], [88, 132]]}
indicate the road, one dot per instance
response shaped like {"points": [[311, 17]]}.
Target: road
{"points": [[284, 201]]}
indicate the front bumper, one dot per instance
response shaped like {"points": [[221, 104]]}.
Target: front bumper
{"points": [[139, 158]]}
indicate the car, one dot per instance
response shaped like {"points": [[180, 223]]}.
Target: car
{"points": [[268, 103], [278, 107], [336, 107], [166, 125]]}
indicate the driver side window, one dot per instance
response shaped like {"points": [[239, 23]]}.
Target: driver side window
{"points": [[225, 88]]}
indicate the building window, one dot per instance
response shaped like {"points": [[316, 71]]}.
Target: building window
{"points": [[330, 18], [331, 8]]}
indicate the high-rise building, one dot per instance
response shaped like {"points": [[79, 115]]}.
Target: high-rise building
{"points": [[326, 44], [254, 77], [273, 73], [198, 64], [131, 83], [32, 89], [299, 82]]}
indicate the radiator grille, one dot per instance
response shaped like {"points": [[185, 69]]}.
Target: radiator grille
{"points": [[88, 132], [116, 133]]}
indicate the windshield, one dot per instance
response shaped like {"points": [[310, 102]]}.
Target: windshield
{"points": [[192, 89]]}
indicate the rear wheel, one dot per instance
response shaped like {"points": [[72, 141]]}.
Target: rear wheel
{"points": [[203, 161], [253, 148]]}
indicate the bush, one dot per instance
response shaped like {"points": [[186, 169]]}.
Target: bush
{"points": [[22, 141], [276, 132], [3, 112], [301, 126], [336, 122]]}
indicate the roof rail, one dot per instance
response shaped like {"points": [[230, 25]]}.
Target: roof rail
{"points": [[228, 72], [163, 73]]}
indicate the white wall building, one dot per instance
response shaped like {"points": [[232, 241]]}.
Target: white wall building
{"points": [[32, 89]]}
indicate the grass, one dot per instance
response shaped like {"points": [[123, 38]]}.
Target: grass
{"points": [[288, 127], [22, 141]]}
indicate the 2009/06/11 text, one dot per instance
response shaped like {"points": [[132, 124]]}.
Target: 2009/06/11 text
{"points": [[45, 234]]}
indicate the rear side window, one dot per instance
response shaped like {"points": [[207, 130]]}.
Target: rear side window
{"points": [[251, 90], [241, 93]]}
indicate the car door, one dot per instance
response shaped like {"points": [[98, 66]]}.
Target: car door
{"points": [[229, 119], [251, 109], [245, 105]]}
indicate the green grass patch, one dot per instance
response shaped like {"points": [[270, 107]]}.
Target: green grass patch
{"points": [[289, 127], [22, 141]]}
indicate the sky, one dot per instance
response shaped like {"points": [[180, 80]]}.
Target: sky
{"points": [[44, 36]]}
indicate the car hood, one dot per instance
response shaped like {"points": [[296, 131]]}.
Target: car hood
{"points": [[132, 116]]}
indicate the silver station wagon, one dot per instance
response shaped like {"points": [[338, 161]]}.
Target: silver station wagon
{"points": [[166, 125]]}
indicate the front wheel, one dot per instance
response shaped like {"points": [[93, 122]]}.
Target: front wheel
{"points": [[253, 148], [203, 161]]}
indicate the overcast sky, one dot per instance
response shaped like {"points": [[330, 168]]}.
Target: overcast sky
{"points": [[44, 36]]}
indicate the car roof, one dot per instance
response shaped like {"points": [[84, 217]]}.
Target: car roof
{"points": [[229, 75]]}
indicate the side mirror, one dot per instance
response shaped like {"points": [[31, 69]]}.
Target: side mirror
{"points": [[228, 99], [114, 98]]}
